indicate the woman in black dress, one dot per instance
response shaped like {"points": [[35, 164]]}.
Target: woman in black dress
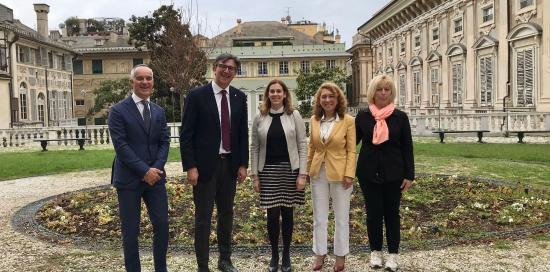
{"points": [[279, 155]]}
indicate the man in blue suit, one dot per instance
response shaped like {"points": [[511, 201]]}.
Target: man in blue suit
{"points": [[214, 152], [140, 137]]}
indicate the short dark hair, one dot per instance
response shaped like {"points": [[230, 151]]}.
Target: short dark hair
{"points": [[225, 57]]}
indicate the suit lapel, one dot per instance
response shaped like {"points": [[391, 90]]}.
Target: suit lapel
{"points": [[211, 102], [132, 107], [233, 103]]}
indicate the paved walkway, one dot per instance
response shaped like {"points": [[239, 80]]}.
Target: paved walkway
{"points": [[19, 252]]}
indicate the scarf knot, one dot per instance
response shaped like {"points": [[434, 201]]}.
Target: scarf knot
{"points": [[381, 132]]}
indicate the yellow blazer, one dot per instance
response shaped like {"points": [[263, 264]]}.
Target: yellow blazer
{"points": [[338, 152]]}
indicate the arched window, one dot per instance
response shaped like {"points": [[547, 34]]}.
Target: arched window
{"points": [[41, 104], [23, 102]]}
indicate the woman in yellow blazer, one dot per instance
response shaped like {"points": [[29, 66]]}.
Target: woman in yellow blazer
{"points": [[331, 168]]}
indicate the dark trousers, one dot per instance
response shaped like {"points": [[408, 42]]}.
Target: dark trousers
{"points": [[382, 202], [220, 189], [129, 203]]}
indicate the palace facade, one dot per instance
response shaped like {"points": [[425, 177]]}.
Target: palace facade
{"points": [[475, 64], [35, 74]]}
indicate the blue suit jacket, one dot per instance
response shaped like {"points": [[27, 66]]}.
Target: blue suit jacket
{"points": [[136, 149], [201, 133]]}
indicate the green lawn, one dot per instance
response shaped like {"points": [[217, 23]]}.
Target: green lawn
{"points": [[37, 163], [513, 162]]}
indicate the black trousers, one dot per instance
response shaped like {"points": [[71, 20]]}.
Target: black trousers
{"points": [[220, 190], [382, 201], [129, 203]]}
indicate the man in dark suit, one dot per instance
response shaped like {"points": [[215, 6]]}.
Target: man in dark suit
{"points": [[140, 137], [214, 152]]}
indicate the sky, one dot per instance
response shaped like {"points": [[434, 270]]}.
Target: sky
{"points": [[213, 16]]}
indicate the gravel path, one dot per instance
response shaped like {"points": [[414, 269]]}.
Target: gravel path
{"points": [[19, 252]]}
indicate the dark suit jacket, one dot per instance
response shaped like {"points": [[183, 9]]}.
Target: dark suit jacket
{"points": [[136, 149], [391, 161], [201, 133]]}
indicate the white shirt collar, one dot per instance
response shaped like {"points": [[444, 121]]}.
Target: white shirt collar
{"points": [[217, 89], [137, 99], [336, 118]]}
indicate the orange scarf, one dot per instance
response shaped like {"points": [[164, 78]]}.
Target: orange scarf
{"points": [[381, 132]]}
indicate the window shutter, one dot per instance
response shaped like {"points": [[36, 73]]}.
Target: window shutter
{"points": [[520, 75], [483, 80], [489, 69], [529, 76]]}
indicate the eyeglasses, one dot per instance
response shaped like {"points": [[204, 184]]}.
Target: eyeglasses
{"points": [[228, 67]]}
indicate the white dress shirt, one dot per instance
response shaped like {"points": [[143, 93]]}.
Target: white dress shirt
{"points": [[218, 95], [326, 126], [139, 105]]}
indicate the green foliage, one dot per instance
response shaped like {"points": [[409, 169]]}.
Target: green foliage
{"points": [[93, 25], [309, 82], [176, 59], [73, 26], [148, 30], [110, 92]]}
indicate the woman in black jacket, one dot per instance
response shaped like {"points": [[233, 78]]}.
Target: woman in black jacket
{"points": [[385, 167]]}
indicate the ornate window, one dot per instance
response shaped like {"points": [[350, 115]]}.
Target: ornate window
{"points": [[41, 107], [525, 3], [262, 68], [417, 42], [402, 89], [486, 80], [417, 88], [487, 13], [434, 85], [457, 23], [457, 83], [330, 64], [23, 100], [283, 67], [525, 74], [435, 34], [304, 65]]}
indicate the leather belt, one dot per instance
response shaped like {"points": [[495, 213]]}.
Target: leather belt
{"points": [[225, 156]]}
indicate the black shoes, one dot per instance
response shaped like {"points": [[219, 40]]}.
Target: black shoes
{"points": [[285, 267], [274, 263], [226, 266]]}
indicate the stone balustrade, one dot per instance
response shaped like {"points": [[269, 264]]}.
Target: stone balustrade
{"points": [[421, 125]]}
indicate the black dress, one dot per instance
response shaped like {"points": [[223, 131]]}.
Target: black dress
{"points": [[277, 179]]}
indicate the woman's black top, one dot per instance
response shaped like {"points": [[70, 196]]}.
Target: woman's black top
{"points": [[391, 161], [276, 149]]}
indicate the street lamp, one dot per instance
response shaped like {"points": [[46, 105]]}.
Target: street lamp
{"points": [[84, 92], [172, 90], [439, 106]]}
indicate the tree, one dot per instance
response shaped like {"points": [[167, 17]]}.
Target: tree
{"points": [[309, 82], [73, 26], [93, 25], [108, 93], [176, 58]]}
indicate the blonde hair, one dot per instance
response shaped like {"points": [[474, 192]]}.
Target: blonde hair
{"points": [[287, 101], [341, 106], [378, 82]]}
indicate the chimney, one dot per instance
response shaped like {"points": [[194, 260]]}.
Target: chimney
{"points": [[42, 19], [239, 26], [6, 14], [338, 37]]}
